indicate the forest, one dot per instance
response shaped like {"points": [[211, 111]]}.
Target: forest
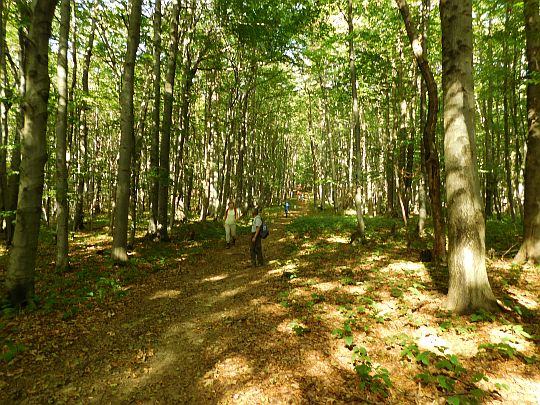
{"points": [[392, 147]]}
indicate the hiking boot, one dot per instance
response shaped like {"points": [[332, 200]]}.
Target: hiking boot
{"points": [[228, 245], [234, 241]]}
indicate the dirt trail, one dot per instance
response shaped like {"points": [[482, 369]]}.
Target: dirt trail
{"points": [[208, 332]]}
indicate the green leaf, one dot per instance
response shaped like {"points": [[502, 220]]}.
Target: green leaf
{"points": [[454, 400], [424, 358], [348, 340], [363, 370], [445, 382]]}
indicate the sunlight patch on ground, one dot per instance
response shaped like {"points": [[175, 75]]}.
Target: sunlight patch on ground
{"points": [[428, 339], [327, 286], [219, 277], [355, 289], [529, 389], [232, 367], [508, 337], [233, 292], [524, 298], [166, 294], [338, 239], [404, 266]]}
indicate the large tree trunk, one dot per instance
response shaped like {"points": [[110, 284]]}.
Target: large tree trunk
{"points": [[154, 146], [20, 272], [469, 288], [530, 248], [62, 207], [429, 141], [164, 153], [119, 249], [356, 126]]}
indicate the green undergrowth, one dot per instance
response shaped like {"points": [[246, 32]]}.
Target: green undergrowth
{"points": [[387, 299]]}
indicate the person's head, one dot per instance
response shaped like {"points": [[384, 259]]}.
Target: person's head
{"points": [[255, 212], [231, 205]]}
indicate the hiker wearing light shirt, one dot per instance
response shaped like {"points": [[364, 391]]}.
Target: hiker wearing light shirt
{"points": [[231, 215]]}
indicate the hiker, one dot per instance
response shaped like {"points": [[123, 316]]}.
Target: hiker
{"points": [[286, 208], [256, 240], [231, 215]]}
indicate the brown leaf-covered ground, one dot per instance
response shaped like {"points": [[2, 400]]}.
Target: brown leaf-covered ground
{"points": [[199, 326]]}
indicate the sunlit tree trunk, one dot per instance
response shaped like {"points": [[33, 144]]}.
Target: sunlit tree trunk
{"points": [[62, 207], [119, 248], [165, 142], [469, 288], [156, 112], [506, 118], [356, 130], [20, 272], [530, 248], [4, 108]]}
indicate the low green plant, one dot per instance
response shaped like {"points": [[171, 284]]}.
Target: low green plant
{"points": [[298, 329], [444, 371], [10, 350], [482, 316], [508, 351], [373, 378]]}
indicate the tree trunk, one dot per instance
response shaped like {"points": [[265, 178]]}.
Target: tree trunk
{"points": [[530, 248], [14, 178], [429, 141], [356, 126], [62, 207], [154, 145], [5, 104], [164, 153], [469, 288], [119, 248], [83, 143], [506, 112], [20, 272]]}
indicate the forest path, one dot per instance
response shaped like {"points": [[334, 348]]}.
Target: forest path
{"points": [[210, 330]]}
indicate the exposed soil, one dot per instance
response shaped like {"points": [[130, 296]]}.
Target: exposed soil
{"points": [[216, 331]]}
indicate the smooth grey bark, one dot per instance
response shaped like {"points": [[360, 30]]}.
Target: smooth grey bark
{"points": [[119, 247], [356, 130], [82, 161], [5, 105], [154, 145], [62, 207], [469, 288], [530, 248], [165, 142], [506, 124], [20, 272], [14, 178]]}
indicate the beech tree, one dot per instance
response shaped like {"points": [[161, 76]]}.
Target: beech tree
{"points": [[469, 287], [62, 208], [530, 248], [119, 250], [20, 272]]}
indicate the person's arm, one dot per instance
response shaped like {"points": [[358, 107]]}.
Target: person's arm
{"points": [[257, 230]]}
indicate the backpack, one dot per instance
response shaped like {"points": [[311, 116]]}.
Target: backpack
{"points": [[264, 230]]}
